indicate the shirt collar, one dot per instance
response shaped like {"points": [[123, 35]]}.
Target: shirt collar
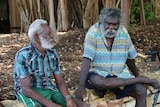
{"points": [[36, 50]]}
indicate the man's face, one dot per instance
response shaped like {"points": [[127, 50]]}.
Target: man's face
{"points": [[46, 38], [109, 27]]}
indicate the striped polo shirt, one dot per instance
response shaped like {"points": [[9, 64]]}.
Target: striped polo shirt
{"points": [[30, 62], [105, 61]]}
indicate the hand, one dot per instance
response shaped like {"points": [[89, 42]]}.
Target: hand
{"points": [[54, 105], [80, 92], [51, 104], [153, 82], [70, 103]]}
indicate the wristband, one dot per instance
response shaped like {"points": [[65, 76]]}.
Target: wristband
{"points": [[67, 96]]}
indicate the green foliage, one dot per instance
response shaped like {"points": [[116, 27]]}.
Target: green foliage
{"points": [[149, 15], [135, 12]]}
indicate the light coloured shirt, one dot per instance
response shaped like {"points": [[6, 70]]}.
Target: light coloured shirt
{"points": [[105, 61], [30, 62]]}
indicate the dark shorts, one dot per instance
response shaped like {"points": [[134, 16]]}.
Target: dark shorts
{"points": [[120, 93]]}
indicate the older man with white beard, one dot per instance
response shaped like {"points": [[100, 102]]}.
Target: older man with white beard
{"points": [[108, 60], [34, 67]]}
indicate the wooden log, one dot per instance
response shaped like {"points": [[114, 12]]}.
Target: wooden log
{"points": [[142, 56]]}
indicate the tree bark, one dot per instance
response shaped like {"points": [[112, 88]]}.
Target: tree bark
{"points": [[157, 8], [126, 6], [142, 16], [75, 13], [52, 23], [63, 12], [24, 15], [87, 18], [109, 3], [39, 9]]}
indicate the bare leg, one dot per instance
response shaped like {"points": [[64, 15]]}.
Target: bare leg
{"points": [[102, 83], [139, 92]]}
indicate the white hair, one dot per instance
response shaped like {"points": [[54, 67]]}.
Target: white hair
{"points": [[35, 28]]}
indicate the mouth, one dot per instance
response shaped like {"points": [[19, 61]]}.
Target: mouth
{"points": [[111, 33]]}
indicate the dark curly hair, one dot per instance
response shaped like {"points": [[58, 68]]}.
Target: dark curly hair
{"points": [[113, 13]]}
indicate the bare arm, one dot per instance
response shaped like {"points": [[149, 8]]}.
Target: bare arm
{"points": [[84, 72], [131, 65], [63, 89], [27, 91]]}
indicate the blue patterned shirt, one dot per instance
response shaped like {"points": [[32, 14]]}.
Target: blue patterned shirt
{"points": [[105, 61], [30, 62]]}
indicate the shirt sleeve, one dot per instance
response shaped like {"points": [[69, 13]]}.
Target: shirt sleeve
{"points": [[21, 67], [132, 53], [90, 44], [57, 63]]}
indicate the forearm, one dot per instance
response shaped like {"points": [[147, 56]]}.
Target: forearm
{"points": [[84, 71], [109, 83], [131, 65], [63, 88]]}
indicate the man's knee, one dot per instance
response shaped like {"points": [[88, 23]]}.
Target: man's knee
{"points": [[98, 82], [140, 90]]}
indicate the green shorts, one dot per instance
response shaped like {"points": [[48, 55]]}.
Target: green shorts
{"points": [[54, 96]]}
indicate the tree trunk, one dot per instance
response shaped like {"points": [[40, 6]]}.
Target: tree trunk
{"points": [[157, 9], [75, 13], [125, 6], [31, 10], [142, 16], [109, 3], [59, 18], [79, 13], [63, 22], [25, 15], [39, 9], [88, 20], [52, 23], [13, 16]]}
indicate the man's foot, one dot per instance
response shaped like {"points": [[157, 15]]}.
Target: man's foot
{"points": [[155, 83]]}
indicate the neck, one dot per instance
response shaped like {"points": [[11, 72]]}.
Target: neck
{"points": [[110, 42], [109, 38], [41, 50]]}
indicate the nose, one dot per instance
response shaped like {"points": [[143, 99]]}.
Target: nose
{"points": [[111, 26]]}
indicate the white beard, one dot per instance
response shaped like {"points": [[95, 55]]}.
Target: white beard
{"points": [[46, 44], [108, 33]]}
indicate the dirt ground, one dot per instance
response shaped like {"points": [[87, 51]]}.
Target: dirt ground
{"points": [[70, 48]]}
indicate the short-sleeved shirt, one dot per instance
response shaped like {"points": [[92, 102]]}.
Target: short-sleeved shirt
{"points": [[106, 61], [30, 62]]}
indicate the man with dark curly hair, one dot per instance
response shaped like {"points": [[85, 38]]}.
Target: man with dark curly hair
{"points": [[108, 60]]}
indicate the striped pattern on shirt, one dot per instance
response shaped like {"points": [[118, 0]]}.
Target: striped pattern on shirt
{"points": [[104, 60]]}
